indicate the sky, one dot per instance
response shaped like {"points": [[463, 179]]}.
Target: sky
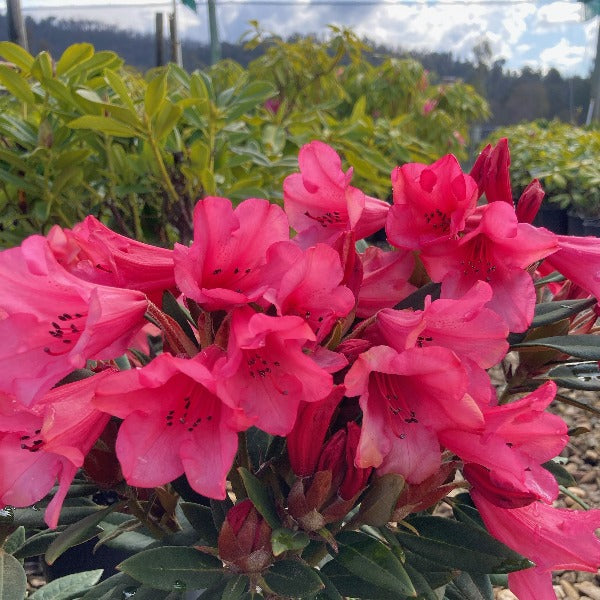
{"points": [[541, 34]]}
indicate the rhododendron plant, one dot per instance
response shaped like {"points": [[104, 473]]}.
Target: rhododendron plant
{"points": [[282, 409]]}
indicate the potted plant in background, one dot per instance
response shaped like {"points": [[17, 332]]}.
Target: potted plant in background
{"points": [[565, 160]]}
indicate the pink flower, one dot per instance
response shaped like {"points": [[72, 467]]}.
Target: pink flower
{"points": [[429, 106], [55, 321], [173, 423], [47, 442], [517, 438], [491, 172], [498, 250], [431, 202], [97, 254], [554, 539], [224, 266], [306, 283], [385, 280], [406, 399], [267, 374], [321, 203], [530, 201]]}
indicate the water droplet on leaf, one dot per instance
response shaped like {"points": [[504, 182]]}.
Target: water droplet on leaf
{"points": [[128, 592], [179, 585]]}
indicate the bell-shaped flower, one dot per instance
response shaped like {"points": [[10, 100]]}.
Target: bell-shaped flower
{"points": [[320, 202], [498, 250], [431, 202], [306, 283], [173, 423], [516, 440], [266, 373], [55, 321], [223, 267], [491, 172], [97, 254], [46, 442], [552, 538], [385, 280], [407, 398]]}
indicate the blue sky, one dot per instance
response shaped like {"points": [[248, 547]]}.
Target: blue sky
{"points": [[541, 34]]}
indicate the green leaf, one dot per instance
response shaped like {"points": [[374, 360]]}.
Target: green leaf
{"points": [[350, 585], [166, 119], [420, 583], [103, 125], [168, 566], [469, 586], [13, 581], [16, 85], [16, 54], [293, 578], [562, 476], [259, 494], [374, 562], [329, 592], [551, 312], [72, 57], [36, 544], [460, 546], [577, 376], [112, 588], [42, 66], [579, 346], [15, 540], [34, 517], [172, 308], [236, 587], [120, 87], [156, 93], [283, 540], [68, 587], [201, 519], [77, 533], [380, 500]]}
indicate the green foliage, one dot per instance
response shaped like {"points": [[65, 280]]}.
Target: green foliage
{"points": [[563, 157], [87, 135]]}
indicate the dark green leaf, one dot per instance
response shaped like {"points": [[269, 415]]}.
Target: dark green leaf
{"points": [[201, 519], [380, 500], [220, 508], [420, 583], [68, 587], [283, 540], [34, 517], [77, 533], [293, 578], [562, 476], [236, 587], [172, 308], [466, 513], [13, 582], [468, 586], [435, 575], [37, 544], [577, 376], [551, 312], [371, 560], [261, 498], [112, 588], [579, 346], [417, 299], [329, 592], [168, 566], [460, 546]]}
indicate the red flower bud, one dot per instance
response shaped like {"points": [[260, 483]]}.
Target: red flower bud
{"points": [[490, 171], [245, 539], [530, 202]]}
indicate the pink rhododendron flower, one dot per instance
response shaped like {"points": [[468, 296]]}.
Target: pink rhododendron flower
{"points": [[267, 374], [56, 321], [406, 399], [431, 202], [307, 283], [429, 105], [554, 539], [46, 442], [497, 250], [173, 423], [491, 172], [224, 265], [517, 438], [97, 254], [385, 280], [321, 203]]}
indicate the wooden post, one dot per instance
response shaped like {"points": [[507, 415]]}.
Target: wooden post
{"points": [[160, 42], [175, 43], [16, 25]]}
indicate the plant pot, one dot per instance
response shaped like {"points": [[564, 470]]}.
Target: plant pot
{"points": [[552, 217], [591, 227], [575, 222]]}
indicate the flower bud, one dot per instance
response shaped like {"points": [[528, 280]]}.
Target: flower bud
{"points": [[530, 201], [245, 539]]}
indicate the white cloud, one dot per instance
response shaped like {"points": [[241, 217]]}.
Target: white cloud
{"points": [[563, 56], [560, 13]]}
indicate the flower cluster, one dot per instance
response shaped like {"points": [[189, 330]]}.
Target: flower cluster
{"points": [[369, 363]]}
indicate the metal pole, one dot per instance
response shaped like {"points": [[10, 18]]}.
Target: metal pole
{"points": [[175, 43], [16, 25], [159, 40], [215, 47], [595, 82]]}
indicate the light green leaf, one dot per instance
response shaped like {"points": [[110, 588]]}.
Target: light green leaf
{"points": [[13, 581], [165, 119], [68, 587], [16, 54], [156, 93], [283, 540], [16, 85], [103, 125], [73, 56]]}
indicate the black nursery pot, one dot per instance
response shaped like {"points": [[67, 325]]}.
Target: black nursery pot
{"points": [[575, 224], [552, 217], [591, 227]]}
